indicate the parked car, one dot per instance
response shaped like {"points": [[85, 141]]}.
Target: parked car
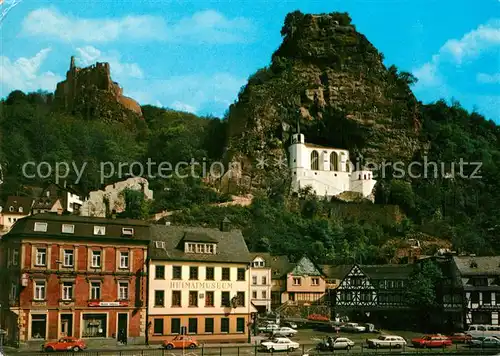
{"points": [[353, 327], [336, 343], [290, 324], [318, 317], [486, 342], [285, 331], [68, 343], [460, 338], [268, 328], [280, 344], [181, 342], [386, 341], [431, 341]]}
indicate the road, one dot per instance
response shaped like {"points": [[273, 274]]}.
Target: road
{"points": [[307, 338]]}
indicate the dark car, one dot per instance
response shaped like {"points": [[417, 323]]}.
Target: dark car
{"points": [[489, 342]]}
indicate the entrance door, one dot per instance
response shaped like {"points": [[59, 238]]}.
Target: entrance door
{"points": [[66, 325], [122, 326]]}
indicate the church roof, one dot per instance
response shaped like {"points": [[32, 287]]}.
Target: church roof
{"points": [[313, 145]]}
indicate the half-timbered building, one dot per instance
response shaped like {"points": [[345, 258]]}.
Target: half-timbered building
{"points": [[480, 282], [372, 293]]}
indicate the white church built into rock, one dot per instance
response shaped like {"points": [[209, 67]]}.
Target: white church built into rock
{"points": [[327, 170]]}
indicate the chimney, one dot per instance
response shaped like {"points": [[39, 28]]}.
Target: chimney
{"points": [[59, 211], [225, 225]]}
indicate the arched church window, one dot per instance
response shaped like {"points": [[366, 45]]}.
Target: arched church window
{"points": [[334, 161], [315, 161]]}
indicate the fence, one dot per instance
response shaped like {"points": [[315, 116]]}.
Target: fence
{"points": [[256, 350]]}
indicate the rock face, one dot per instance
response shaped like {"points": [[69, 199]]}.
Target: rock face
{"points": [[91, 92], [98, 202], [330, 80]]}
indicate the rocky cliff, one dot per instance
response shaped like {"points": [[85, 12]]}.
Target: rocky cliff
{"points": [[92, 93], [331, 80]]}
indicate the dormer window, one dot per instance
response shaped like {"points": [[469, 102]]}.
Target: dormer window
{"points": [[160, 244], [192, 247], [11, 209], [20, 209], [40, 227], [99, 230], [128, 231], [68, 229]]}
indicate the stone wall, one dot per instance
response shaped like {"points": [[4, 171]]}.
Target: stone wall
{"points": [[95, 204]]}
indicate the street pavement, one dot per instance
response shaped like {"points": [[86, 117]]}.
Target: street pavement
{"points": [[307, 338]]}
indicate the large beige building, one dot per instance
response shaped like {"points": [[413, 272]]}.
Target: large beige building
{"points": [[199, 284]]}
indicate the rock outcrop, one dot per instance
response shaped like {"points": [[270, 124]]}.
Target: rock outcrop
{"points": [[92, 93], [331, 80], [101, 202]]}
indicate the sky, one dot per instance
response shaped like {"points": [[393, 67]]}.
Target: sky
{"points": [[196, 55]]}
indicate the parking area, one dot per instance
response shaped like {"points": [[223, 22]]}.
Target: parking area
{"points": [[306, 338]]}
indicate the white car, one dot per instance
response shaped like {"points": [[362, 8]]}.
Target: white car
{"points": [[280, 344], [268, 328], [353, 327], [284, 331], [386, 341], [338, 343]]}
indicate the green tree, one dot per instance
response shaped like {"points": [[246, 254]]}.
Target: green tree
{"points": [[421, 291], [136, 207]]}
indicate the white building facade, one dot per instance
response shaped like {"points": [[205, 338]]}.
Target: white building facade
{"points": [[328, 171], [199, 285], [261, 279]]}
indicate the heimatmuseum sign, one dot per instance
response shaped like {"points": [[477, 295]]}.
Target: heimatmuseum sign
{"points": [[200, 285]]}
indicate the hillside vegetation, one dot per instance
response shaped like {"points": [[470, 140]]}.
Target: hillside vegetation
{"points": [[331, 79]]}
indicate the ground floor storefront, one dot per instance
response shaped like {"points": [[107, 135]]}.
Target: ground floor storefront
{"points": [[219, 328], [32, 325]]}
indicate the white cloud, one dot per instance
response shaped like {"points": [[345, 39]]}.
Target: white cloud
{"points": [[474, 42], [177, 105], [202, 27], [488, 78], [49, 22], [456, 51], [192, 93], [433, 84], [211, 27], [89, 55], [24, 74]]}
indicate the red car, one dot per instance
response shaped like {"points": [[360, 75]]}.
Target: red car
{"points": [[318, 317], [432, 341], [68, 343], [460, 338]]}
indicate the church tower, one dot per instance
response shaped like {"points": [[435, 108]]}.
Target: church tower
{"points": [[297, 150]]}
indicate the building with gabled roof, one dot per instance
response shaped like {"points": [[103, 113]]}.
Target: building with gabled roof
{"points": [[46, 205], [479, 279], [261, 281], [199, 284], [16, 207], [299, 282], [67, 275], [70, 199], [367, 292]]}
